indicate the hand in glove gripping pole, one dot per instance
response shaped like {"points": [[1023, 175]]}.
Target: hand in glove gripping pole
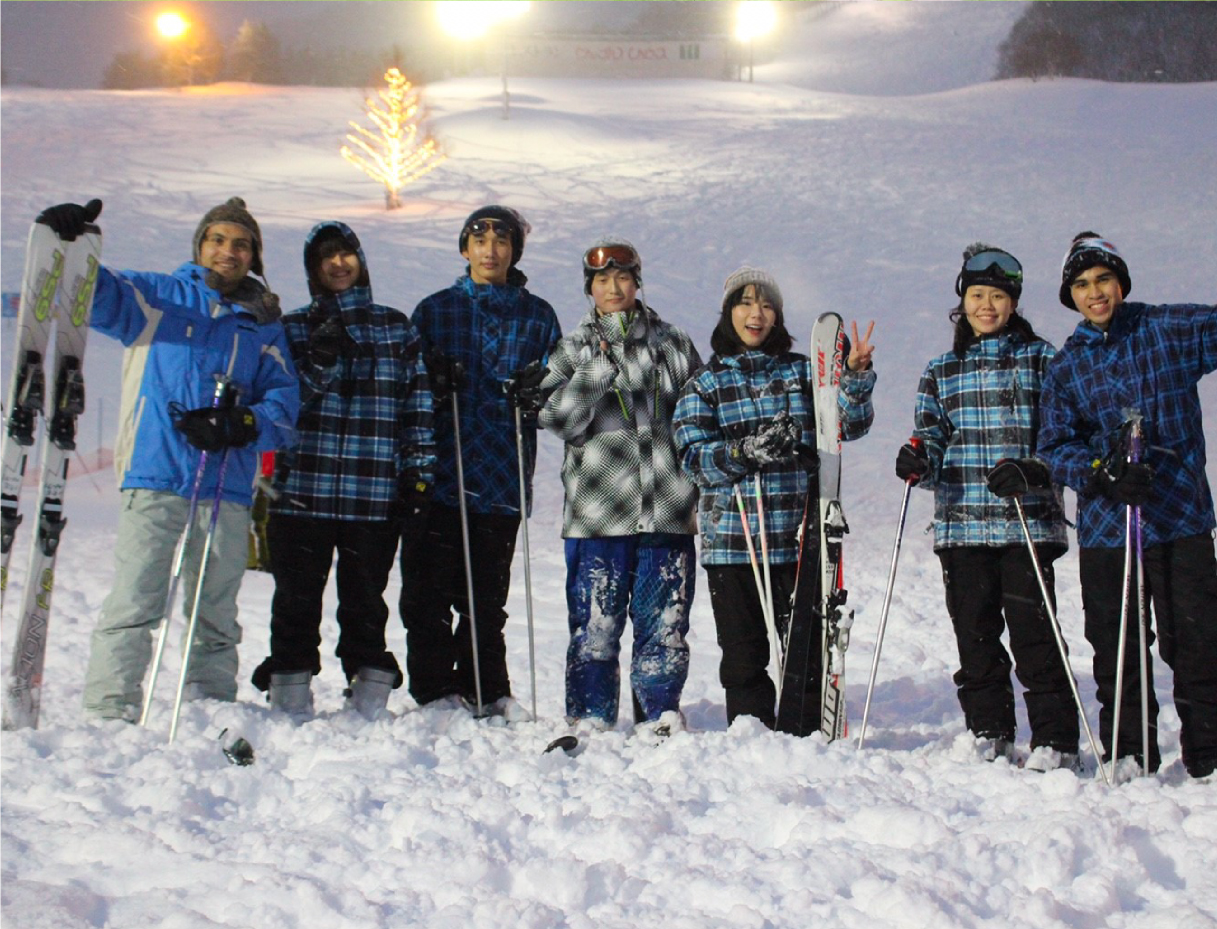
{"points": [[212, 429], [523, 390], [445, 373], [772, 442], [912, 462], [1126, 482], [1014, 477]]}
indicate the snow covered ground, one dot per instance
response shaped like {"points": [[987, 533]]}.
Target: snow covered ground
{"points": [[856, 168]]}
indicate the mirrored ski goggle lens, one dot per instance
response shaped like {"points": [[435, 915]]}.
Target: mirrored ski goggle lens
{"points": [[1007, 265], [603, 256], [483, 226]]}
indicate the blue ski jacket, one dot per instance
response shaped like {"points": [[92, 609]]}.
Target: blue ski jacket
{"points": [[493, 330], [364, 419], [179, 335], [971, 413], [729, 399], [1149, 360]]}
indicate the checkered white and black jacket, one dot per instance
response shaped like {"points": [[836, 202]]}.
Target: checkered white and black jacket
{"points": [[612, 387]]}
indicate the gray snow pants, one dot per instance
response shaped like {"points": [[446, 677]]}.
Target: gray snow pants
{"points": [[149, 526]]}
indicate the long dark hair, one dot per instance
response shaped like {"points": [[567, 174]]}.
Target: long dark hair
{"points": [[725, 341], [1018, 326]]}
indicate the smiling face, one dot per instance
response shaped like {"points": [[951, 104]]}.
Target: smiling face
{"points": [[753, 317], [1096, 293], [228, 250], [988, 308], [613, 290], [489, 256], [337, 267]]}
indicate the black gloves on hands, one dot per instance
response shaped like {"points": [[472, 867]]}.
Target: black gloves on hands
{"points": [[325, 342], [70, 220], [1013, 477], [413, 502], [774, 441], [912, 462], [212, 429], [446, 374], [1129, 483], [523, 390]]}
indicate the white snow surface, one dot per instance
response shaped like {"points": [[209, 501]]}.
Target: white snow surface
{"points": [[858, 190]]}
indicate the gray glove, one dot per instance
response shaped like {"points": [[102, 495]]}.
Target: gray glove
{"points": [[774, 441]]}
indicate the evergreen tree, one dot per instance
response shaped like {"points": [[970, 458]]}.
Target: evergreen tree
{"points": [[255, 55]]}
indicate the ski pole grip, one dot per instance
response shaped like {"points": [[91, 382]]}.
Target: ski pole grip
{"points": [[916, 442]]}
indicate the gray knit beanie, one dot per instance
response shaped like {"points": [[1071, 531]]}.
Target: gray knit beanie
{"points": [[233, 211], [749, 275]]}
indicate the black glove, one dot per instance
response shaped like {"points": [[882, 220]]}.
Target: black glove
{"points": [[325, 343], [1128, 483], [808, 459], [1013, 477], [912, 462], [212, 429], [446, 374], [523, 390], [70, 220], [413, 503], [774, 441]]}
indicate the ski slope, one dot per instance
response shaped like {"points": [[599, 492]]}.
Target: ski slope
{"points": [[855, 168]]}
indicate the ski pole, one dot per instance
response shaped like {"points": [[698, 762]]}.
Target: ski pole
{"points": [[198, 594], [1142, 600], [464, 510], [770, 626], [760, 529], [532, 658], [1059, 636], [1121, 647], [887, 599], [179, 557]]}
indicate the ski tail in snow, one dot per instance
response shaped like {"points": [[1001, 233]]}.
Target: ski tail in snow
{"points": [[817, 629], [60, 280]]}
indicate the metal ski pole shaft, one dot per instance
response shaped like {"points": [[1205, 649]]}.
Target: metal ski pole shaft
{"points": [[887, 602], [1120, 648], [1059, 636], [1134, 455], [162, 633], [464, 511], [192, 625], [770, 626], [760, 530], [532, 657]]}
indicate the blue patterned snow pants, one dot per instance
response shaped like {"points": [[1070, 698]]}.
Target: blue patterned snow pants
{"points": [[651, 577]]}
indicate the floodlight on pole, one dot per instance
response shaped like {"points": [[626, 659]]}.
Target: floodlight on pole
{"points": [[171, 25], [468, 20], [753, 20]]}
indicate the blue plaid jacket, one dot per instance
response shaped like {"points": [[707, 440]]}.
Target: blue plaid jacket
{"points": [[493, 331], [729, 399], [363, 420], [1150, 359], [971, 413]]}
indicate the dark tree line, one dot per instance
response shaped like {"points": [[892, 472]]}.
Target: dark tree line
{"points": [[1144, 41]]}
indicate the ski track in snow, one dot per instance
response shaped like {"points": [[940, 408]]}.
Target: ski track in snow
{"points": [[856, 169]]}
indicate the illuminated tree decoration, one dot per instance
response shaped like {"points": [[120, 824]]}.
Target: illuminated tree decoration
{"points": [[395, 155]]}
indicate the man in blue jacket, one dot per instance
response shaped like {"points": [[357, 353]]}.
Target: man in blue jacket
{"points": [[1133, 362], [207, 370], [480, 334]]}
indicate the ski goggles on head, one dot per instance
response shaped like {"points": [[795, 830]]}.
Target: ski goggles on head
{"points": [[483, 226], [615, 256], [999, 263]]}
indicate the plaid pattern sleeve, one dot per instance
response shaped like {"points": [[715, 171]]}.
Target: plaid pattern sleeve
{"points": [[972, 412], [1150, 359], [364, 419]]}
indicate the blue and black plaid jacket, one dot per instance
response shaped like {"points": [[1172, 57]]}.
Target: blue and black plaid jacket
{"points": [[363, 420], [971, 413], [729, 399], [1150, 360], [493, 331]]}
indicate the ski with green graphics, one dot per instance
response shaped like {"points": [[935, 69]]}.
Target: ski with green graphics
{"points": [[47, 384]]}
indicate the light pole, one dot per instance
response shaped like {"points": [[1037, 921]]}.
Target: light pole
{"points": [[468, 20], [753, 19], [173, 27]]}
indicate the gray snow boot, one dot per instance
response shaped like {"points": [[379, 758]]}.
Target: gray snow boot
{"points": [[369, 691], [291, 692]]}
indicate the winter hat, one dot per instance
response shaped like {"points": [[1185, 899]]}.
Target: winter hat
{"points": [[748, 275], [231, 210], [989, 266], [1087, 250], [611, 252], [515, 222]]}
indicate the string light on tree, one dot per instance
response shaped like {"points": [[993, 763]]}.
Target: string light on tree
{"points": [[394, 155]]}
